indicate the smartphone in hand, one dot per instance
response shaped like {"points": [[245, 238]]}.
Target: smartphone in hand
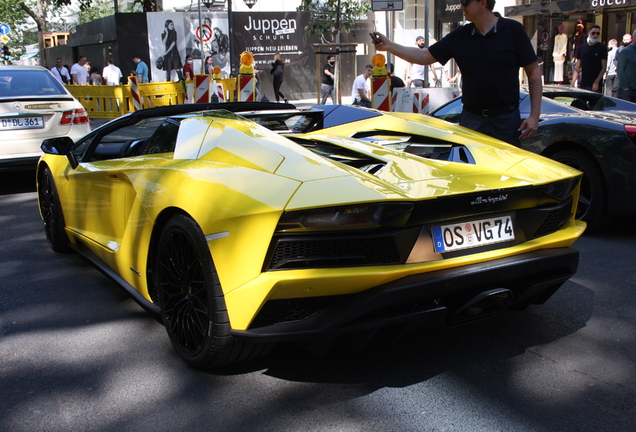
{"points": [[375, 38]]}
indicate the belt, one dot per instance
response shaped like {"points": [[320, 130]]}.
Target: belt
{"points": [[492, 111]]}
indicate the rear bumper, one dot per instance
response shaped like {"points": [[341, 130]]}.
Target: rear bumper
{"points": [[436, 299]]}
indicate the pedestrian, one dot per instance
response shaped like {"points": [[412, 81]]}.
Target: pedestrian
{"points": [[209, 66], [415, 72], [396, 81], [79, 72], [111, 73], [360, 91], [489, 51], [171, 58], [611, 79], [188, 72], [591, 62], [95, 78], [626, 71], [278, 70], [328, 76], [142, 70], [60, 72]]}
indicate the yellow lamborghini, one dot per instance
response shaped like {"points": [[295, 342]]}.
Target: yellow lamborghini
{"points": [[240, 237]]}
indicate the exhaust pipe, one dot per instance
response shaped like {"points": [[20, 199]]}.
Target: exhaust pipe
{"points": [[487, 303]]}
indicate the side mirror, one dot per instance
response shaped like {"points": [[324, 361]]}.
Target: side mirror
{"points": [[62, 146]]}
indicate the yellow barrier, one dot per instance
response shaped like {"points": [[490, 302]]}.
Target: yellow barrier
{"points": [[109, 102]]}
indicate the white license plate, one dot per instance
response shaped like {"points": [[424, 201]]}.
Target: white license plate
{"points": [[447, 238], [21, 123]]}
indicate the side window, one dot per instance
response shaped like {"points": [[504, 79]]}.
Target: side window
{"points": [[451, 112], [164, 139], [121, 142]]}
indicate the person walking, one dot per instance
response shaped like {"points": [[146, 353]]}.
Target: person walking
{"points": [[611, 79], [328, 76], [626, 71], [361, 88], [171, 57], [111, 73], [278, 70], [591, 62], [489, 51], [142, 70], [79, 72], [60, 72]]}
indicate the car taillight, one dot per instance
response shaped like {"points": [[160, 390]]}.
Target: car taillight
{"points": [[74, 116], [631, 132]]}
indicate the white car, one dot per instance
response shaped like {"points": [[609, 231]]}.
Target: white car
{"points": [[34, 106]]}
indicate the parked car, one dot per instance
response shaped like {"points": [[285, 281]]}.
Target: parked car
{"points": [[602, 144], [34, 105], [240, 237], [586, 100]]}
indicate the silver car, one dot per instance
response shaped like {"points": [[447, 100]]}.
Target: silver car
{"points": [[34, 106]]}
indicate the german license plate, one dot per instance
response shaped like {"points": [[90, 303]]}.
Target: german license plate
{"points": [[447, 238], [21, 123]]}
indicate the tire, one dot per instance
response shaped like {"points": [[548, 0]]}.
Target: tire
{"points": [[191, 299], [52, 212], [592, 205]]}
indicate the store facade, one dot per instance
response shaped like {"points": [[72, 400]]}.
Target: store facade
{"points": [[545, 21]]}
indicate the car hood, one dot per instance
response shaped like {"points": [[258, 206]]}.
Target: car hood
{"points": [[621, 117]]}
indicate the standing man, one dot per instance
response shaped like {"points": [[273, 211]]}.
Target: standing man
{"points": [[60, 72], [360, 88], [489, 51], [111, 73], [591, 62], [626, 71], [142, 70], [415, 72], [326, 85], [611, 79], [188, 72], [79, 72]]}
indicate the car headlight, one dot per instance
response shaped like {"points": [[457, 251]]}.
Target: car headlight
{"points": [[359, 216]]}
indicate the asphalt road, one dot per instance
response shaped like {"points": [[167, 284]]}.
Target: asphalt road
{"points": [[78, 354]]}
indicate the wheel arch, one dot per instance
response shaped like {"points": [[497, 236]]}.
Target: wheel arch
{"points": [[160, 223], [554, 148]]}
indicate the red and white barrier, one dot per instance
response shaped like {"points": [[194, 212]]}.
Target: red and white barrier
{"points": [[134, 90], [247, 88], [217, 89], [381, 93], [201, 88], [420, 103]]}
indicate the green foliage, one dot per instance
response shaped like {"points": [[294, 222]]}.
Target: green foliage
{"points": [[98, 9], [334, 16]]}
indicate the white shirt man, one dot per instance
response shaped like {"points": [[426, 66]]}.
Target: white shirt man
{"points": [[60, 72], [79, 72], [360, 89], [111, 73]]}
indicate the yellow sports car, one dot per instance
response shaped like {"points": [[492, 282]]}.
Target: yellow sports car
{"points": [[241, 237]]}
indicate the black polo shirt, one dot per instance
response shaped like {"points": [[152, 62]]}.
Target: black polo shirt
{"points": [[591, 57], [489, 64]]}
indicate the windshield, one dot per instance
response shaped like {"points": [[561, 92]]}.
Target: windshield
{"points": [[25, 82]]}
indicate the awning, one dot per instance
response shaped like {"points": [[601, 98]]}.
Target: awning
{"points": [[561, 6], [29, 55]]}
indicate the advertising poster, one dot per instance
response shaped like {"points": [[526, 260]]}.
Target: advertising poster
{"points": [[174, 35]]}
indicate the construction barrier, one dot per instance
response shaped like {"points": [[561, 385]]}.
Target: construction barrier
{"points": [[247, 88], [134, 91], [201, 88], [381, 93], [420, 100]]}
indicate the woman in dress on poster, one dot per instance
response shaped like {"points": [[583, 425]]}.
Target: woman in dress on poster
{"points": [[171, 57]]}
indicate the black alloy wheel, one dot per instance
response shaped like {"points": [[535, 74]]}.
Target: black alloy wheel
{"points": [[191, 299], [592, 205], [51, 212]]}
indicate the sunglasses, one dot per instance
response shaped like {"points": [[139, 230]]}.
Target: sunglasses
{"points": [[595, 33], [465, 3]]}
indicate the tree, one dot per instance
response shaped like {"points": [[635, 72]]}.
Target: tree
{"points": [[332, 17]]}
